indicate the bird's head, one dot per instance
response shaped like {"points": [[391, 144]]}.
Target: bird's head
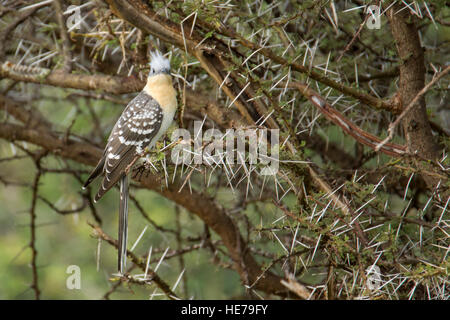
{"points": [[158, 64], [159, 82]]}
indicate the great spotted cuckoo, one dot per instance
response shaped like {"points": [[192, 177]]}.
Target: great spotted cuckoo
{"points": [[145, 119]]}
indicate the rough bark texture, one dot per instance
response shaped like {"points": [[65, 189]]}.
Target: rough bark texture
{"points": [[416, 126]]}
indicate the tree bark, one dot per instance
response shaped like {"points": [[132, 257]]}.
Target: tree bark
{"points": [[416, 126]]}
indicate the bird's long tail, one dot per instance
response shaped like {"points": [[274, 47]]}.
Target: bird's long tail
{"points": [[123, 223]]}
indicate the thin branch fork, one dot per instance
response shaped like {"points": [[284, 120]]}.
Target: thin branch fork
{"points": [[411, 105], [7, 32], [137, 261], [347, 126], [66, 52]]}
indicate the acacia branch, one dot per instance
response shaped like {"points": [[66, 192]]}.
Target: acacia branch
{"points": [[8, 31], [346, 125], [213, 215], [409, 108], [152, 275], [66, 50], [58, 78], [140, 15], [33, 217]]}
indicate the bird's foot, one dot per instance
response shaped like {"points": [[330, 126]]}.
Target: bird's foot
{"points": [[139, 172]]}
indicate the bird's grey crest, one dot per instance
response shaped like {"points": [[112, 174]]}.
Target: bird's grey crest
{"points": [[158, 64]]}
